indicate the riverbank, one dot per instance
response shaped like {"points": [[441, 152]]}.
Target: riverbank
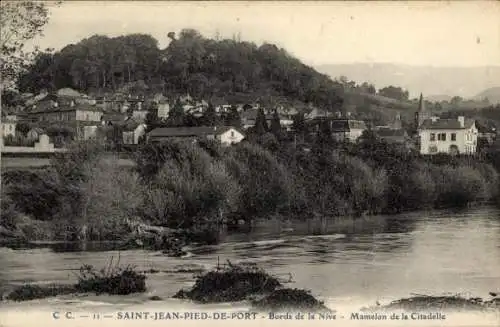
{"points": [[196, 190]]}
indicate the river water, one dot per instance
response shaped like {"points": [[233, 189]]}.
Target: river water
{"points": [[348, 266]]}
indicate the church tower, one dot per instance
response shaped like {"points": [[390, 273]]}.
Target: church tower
{"points": [[422, 113]]}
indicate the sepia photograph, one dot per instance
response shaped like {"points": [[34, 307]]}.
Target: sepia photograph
{"points": [[273, 163]]}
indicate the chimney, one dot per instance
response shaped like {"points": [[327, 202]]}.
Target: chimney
{"points": [[461, 119]]}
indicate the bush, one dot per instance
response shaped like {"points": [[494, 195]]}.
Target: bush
{"points": [[289, 300], [111, 280], [31, 292], [109, 195], [265, 183], [232, 283], [189, 190], [458, 186], [38, 194], [120, 281]]}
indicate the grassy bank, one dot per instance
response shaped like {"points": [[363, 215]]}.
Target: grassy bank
{"points": [[113, 279]]}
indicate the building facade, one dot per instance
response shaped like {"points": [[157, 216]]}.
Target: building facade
{"points": [[452, 136]]}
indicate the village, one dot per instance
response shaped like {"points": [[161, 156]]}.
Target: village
{"points": [[126, 120]]}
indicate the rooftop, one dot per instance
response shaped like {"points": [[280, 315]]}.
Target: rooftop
{"points": [[77, 106], [189, 131], [446, 124], [390, 132]]}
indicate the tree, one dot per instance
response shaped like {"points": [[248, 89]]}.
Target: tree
{"points": [[22, 128], [260, 127], [233, 118], [393, 92], [20, 22], [177, 115], [299, 124], [152, 121], [275, 127], [210, 116]]}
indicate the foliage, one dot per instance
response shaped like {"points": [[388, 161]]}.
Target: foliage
{"points": [[190, 64], [393, 92], [111, 280], [189, 187], [230, 283], [20, 22], [264, 181], [32, 292], [289, 300], [38, 194]]}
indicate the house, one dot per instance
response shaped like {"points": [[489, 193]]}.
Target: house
{"points": [[452, 136], [226, 135], [249, 117], [163, 109], [77, 116], [133, 132], [342, 129], [317, 113], [140, 115], [8, 127], [486, 132], [112, 118], [347, 129], [394, 136], [90, 132]]}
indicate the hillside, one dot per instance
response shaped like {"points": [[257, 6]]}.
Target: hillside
{"points": [[465, 82], [204, 68], [492, 94]]}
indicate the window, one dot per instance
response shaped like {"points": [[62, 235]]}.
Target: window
{"points": [[232, 133], [433, 137], [442, 137], [433, 149], [453, 136]]}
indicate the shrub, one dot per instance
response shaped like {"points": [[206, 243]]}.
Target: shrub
{"points": [[31, 292], [458, 186], [38, 194], [120, 281], [290, 299], [265, 184], [232, 283], [190, 189]]}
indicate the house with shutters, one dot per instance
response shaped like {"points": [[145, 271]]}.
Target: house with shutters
{"points": [[453, 136]]}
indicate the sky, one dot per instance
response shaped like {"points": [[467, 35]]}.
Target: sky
{"points": [[437, 33]]}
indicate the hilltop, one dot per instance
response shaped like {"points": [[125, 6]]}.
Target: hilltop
{"points": [[191, 64], [492, 94]]}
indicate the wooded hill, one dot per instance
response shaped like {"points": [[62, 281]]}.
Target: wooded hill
{"points": [[192, 64]]}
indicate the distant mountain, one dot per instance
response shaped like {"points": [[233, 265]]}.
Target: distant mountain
{"points": [[438, 97], [493, 94], [462, 81]]}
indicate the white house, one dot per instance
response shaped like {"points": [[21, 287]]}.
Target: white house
{"points": [[8, 127], [163, 109], [226, 135], [133, 132], [452, 136]]}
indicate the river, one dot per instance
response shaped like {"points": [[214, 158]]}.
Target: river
{"points": [[349, 267]]}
